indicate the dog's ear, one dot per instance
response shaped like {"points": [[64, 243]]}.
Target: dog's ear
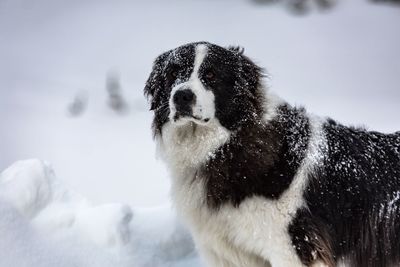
{"points": [[251, 73], [155, 83], [236, 49]]}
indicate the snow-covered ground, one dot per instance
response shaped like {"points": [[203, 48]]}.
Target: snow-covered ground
{"points": [[344, 63], [45, 224]]}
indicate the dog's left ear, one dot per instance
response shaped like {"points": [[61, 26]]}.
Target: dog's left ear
{"points": [[236, 49], [250, 72], [155, 83]]}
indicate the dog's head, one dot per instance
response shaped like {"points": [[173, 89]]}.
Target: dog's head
{"points": [[201, 82]]}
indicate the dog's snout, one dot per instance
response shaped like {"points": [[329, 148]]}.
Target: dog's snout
{"points": [[184, 98]]}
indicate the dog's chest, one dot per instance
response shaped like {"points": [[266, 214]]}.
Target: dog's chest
{"points": [[245, 231], [257, 226]]}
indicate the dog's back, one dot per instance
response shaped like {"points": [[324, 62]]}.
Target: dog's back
{"points": [[354, 199]]}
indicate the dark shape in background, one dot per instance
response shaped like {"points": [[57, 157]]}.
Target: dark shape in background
{"points": [[116, 99], [79, 104], [304, 6]]}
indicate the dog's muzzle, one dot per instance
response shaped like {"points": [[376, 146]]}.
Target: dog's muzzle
{"points": [[184, 100]]}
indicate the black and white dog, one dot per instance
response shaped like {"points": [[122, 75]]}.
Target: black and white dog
{"points": [[261, 182]]}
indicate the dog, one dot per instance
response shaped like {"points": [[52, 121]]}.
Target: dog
{"points": [[260, 182]]}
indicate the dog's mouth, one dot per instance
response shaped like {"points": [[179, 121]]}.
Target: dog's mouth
{"points": [[187, 116]]}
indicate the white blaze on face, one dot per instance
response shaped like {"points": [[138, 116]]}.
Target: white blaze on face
{"points": [[204, 106]]}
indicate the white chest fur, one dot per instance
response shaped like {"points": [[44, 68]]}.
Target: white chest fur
{"points": [[189, 146]]}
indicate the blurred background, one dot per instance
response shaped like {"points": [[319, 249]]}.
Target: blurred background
{"points": [[72, 74]]}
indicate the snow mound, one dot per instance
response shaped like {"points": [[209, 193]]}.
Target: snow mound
{"points": [[45, 223], [28, 185]]}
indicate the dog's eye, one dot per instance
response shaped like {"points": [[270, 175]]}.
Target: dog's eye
{"points": [[173, 72], [210, 75]]}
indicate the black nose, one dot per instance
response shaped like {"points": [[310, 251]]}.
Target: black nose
{"points": [[183, 99]]}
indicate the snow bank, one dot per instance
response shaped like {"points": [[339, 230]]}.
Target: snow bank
{"points": [[44, 223]]}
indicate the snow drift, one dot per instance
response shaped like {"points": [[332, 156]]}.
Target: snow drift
{"points": [[45, 223]]}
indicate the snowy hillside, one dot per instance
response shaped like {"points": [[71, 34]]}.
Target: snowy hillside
{"points": [[344, 63]]}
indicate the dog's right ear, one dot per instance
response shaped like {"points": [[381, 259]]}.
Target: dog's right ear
{"points": [[155, 83]]}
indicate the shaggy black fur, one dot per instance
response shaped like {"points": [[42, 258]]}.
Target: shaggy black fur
{"points": [[311, 239], [259, 159], [354, 199]]}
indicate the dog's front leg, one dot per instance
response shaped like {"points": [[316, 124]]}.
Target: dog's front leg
{"points": [[319, 264], [285, 258], [211, 259], [285, 263]]}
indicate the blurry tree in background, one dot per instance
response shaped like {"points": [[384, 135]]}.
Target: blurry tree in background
{"points": [[303, 6]]}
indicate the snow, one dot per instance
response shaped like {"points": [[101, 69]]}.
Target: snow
{"points": [[57, 54], [44, 223]]}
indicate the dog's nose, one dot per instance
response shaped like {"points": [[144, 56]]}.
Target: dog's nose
{"points": [[183, 99]]}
